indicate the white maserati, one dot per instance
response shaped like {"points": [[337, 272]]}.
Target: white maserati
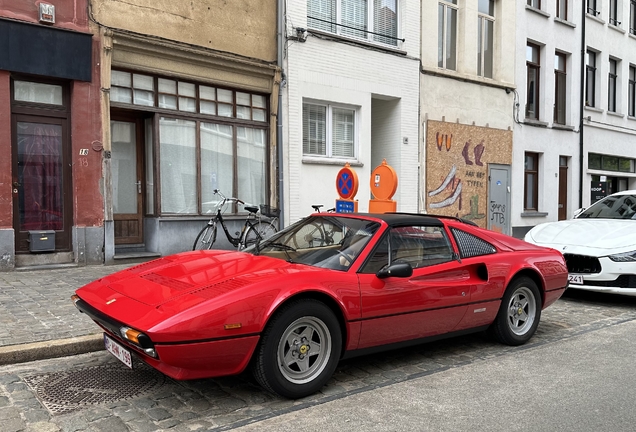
{"points": [[599, 244]]}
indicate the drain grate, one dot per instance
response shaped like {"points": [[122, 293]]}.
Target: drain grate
{"points": [[64, 392]]}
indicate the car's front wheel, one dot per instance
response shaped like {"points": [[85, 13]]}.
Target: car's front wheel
{"points": [[519, 313], [299, 349]]}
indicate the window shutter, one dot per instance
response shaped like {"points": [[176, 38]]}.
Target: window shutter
{"points": [[314, 129], [321, 15], [343, 133], [354, 14], [385, 21]]}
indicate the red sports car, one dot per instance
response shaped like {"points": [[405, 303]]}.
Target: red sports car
{"points": [[327, 287]]}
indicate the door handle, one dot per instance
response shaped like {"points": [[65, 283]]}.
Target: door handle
{"points": [[138, 186], [16, 184]]}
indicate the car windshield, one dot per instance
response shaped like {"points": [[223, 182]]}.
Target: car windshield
{"points": [[612, 207], [321, 241]]}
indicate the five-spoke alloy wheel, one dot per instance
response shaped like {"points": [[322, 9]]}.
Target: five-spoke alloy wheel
{"points": [[299, 350], [519, 313]]}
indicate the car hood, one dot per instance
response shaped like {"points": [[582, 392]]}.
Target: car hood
{"points": [[596, 237], [206, 274]]}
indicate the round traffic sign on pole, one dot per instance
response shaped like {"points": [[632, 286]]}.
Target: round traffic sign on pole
{"points": [[347, 182]]}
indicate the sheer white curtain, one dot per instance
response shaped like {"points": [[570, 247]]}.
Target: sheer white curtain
{"points": [[251, 165], [217, 164], [177, 155]]}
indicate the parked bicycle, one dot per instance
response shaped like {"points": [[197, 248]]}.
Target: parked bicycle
{"points": [[255, 229], [318, 233]]}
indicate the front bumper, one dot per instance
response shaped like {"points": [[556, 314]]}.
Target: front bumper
{"points": [[183, 360], [614, 277]]}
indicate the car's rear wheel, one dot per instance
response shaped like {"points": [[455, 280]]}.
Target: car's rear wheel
{"points": [[519, 313], [299, 349]]}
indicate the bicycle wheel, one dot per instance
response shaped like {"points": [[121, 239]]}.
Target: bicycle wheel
{"points": [[310, 235], [258, 232], [206, 238]]}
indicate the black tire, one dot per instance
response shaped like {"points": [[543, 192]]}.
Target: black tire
{"points": [[206, 238], [519, 313], [299, 349], [264, 229], [310, 235]]}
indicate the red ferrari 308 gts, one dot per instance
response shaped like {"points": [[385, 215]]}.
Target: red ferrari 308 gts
{"points": [[327, 287]]}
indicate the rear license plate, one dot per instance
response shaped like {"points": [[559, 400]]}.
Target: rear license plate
{"points": [[118, 351], [575, 279]]}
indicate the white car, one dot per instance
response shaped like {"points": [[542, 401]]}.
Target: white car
{"points": [[599, 244]]}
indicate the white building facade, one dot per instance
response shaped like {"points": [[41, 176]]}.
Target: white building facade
{"points": [[351, 96], [609, 115], [546, 157]]}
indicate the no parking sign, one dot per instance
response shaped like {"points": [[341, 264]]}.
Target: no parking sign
{"points": [[347, 187]]}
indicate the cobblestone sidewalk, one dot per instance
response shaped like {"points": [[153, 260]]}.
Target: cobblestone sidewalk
{"points": [[35, 306]]}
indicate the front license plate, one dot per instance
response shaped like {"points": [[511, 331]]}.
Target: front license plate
{"points": [[118, 351], [575, 279]]}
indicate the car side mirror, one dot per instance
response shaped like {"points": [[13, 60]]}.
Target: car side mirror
{"points": [[401, 269]]}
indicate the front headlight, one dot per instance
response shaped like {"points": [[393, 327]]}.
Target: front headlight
{"points": [[624, 257]]}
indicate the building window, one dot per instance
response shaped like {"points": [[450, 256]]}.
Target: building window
{"points": [[531, 182], [562, 9], [485, 43], [610, 163], [447, 35], [138, 89], [374, 20], [611, 85], [215, 139], [631, 96], [613, 13], [632, 17], [534, 3], [559, 88], [590, 79], [329, 131], [532, 94], [591, 7]]}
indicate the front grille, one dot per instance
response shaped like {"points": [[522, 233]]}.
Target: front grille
{"points": [[623, 281], [582, 264]]}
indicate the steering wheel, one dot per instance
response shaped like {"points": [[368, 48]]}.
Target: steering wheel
{"points": [[346, 257]]}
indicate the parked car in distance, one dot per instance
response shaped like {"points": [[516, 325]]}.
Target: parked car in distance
{"points": [[328, 287], [599, 244]]}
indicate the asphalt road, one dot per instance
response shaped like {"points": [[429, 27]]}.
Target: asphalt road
{"points": [[575, 374], [585, 383]]}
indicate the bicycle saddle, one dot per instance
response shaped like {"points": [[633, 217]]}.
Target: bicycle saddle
{"points": [[251, 209]]}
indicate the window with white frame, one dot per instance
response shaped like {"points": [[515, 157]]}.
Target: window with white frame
{"points": [[531, 182], [592, 7], [632, 17], [447, 34], [534, 3], [374, 20], [329, 131], [485, 45]]}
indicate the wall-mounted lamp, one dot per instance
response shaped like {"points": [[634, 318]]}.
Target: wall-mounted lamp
{"points": [[301, 34]]}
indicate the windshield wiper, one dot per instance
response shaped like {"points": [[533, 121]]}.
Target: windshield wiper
{"points": [[285, 248]]}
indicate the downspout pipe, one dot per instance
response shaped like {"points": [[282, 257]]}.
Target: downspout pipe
{"points": [[279, 113], [582, 103]]}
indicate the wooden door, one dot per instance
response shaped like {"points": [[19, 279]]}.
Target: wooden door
{"points": [[127, 176], [563, 192]]}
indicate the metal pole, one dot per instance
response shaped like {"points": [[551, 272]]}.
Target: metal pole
{"points": [[279, 114]]}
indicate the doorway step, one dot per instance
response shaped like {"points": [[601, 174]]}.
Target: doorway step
{"points": [[131, 254], [44, 261]]}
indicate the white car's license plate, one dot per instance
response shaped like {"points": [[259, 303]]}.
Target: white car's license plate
{"points": [[118, 351], [575, 279]]}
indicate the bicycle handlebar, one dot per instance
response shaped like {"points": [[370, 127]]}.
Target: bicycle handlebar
{"points": [[218, 192]]}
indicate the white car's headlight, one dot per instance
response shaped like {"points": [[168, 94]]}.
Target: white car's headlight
{"points": [[624, 257]]}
